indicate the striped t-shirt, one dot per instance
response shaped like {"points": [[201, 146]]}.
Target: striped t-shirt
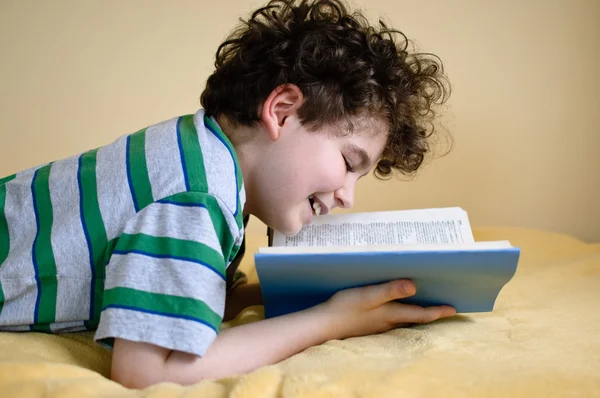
{"points": [[132, 239]]}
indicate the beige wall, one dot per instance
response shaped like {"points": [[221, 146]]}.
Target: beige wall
{"points": [[525, 110]]}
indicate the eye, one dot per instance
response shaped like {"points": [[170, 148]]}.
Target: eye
{"points": [[348, 165]]}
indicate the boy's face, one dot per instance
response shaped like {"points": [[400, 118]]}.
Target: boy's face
{"points": [[302, 167]]}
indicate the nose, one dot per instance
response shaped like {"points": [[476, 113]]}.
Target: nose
{"points": [[344, 196]]}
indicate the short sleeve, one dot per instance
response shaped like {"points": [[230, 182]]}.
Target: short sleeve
{"points": [[165, 279]]}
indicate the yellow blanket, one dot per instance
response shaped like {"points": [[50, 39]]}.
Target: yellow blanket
{"points": [[542, 339]]}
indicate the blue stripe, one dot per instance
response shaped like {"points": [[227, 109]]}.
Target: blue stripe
{"points": [[189, 318], [33, 255], [87, 236], [191, 260], [170, 202], [128, 161], [182, 156], [237, 193]]}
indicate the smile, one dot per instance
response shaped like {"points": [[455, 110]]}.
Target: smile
{"points": [[316, 206]]}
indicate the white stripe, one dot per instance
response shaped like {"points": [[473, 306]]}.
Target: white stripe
{"points": [[19, 297], [218, 164], [19, 306], [114, 195], [15, 328], [242, 196], [171, 333], [67, 327], [165, 170], [167, 276], [73, 297], [69, 244], [179, 222], [28, 173]]}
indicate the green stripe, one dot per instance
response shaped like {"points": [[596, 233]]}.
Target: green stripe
{"points": [[139, 170], [194, 161], [94, 225], [43, 247], [218, 220], [93, 324], [234, 252], [163, 304], [41, 327], [171, 247], [238, 172], [7, 179], [110, 247]]}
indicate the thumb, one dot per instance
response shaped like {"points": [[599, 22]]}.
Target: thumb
{"points": [[377, 295]]}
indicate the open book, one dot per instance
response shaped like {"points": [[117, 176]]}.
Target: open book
{"points": [[432, 247]]}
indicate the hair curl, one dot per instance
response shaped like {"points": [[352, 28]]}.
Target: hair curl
{"points": [[344, 67]]}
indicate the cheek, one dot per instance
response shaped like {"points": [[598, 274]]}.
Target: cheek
{"points": [[281, 181], [324, 171], [308, 166], [332, 169]]}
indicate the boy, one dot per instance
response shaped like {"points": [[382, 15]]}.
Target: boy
{"points": [[134, 239]]}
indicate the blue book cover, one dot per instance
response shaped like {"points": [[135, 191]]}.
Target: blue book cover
{"points": [[432, 247], [468, 280]]}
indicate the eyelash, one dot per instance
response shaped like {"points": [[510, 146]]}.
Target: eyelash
{"points": [[348, 165]]}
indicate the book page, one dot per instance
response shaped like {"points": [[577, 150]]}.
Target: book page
{"points": [[427, 226], [402, 247]]}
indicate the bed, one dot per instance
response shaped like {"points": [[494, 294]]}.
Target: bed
{"points": [[542, 339]]}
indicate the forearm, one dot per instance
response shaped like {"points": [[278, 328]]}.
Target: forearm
{"points": [[247, 347], [352, 312]]}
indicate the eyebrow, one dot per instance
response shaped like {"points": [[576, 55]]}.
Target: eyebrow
{"points": [[365, 161]]}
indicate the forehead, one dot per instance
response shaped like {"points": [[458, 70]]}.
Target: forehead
{"points": [[365, 144], [369, 133], [364, 124]]}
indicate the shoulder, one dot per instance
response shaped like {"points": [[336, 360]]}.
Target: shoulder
{"points": [[218, 165]]}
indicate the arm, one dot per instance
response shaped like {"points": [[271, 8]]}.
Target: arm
{"points": [[236, 350], [353, 312]]}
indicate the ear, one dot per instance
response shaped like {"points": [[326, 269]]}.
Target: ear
{"points": [[284, 101]]}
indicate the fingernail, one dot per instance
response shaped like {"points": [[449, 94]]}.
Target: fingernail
{"points": [[407, 286]]}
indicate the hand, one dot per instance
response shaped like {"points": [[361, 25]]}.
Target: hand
{"points": [[372, 309]]}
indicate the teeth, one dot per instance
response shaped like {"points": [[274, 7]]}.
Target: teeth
{"points": [[317, 208]]}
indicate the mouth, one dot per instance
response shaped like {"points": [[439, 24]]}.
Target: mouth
{"points": [[317, 207]]}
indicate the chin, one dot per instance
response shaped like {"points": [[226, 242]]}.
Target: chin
{"points": [[288, 223], [290, 229]]}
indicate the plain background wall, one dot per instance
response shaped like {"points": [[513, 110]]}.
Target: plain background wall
{"points": [[524, 113]]}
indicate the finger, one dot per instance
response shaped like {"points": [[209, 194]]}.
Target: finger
{"points": [[404, 313], [377, 295]]}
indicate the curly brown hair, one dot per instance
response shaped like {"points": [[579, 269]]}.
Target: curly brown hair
{"points": [[344, 67]]}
